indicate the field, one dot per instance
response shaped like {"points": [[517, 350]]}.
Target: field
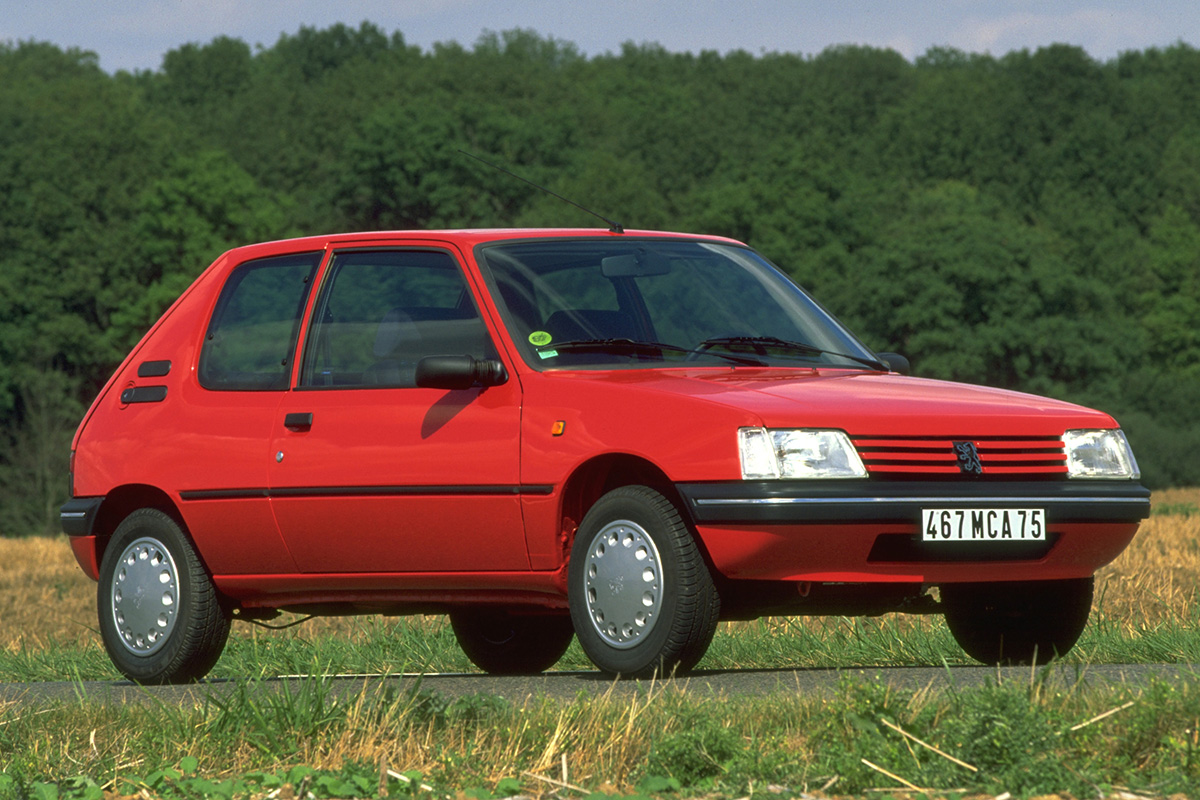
{"points": [[1024, 739]]}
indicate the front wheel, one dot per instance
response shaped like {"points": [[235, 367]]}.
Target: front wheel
{"points": [[501, 642], [160, 617], [642, 599], [1017, 623]]}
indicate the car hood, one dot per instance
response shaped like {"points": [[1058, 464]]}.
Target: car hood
{"points": [[870, 403]]}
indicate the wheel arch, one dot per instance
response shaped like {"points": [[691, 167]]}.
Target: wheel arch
{"points": [[600, 475], [123, 501]]}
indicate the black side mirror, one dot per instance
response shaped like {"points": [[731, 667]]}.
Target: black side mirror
{"points": [[459, 372], [895, 362]]}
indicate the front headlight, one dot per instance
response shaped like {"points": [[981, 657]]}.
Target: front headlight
{"points": [[797, 453], [1099, 454]]}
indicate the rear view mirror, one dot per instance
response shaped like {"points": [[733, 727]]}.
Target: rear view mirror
{"points": [[639, 264]]}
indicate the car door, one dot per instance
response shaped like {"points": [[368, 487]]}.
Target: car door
{"points": [[216, 454], [375, 474]]}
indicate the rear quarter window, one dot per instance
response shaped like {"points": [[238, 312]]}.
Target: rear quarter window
{"points": [[252, 335]]}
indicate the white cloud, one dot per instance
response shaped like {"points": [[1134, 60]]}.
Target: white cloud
{"points": [[905, 45], [1101, 32]]}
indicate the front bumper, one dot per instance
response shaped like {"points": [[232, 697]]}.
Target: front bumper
{"points": [[902, 501], [870, 531]]}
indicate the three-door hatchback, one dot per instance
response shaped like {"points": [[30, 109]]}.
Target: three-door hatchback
{"points": [[620, 436]]}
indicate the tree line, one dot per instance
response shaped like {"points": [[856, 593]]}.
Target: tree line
{"points": [[1029, 221]]}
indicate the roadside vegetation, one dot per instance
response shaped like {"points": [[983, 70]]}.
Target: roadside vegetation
{"points": [[1033, 736], [1025, 738]]}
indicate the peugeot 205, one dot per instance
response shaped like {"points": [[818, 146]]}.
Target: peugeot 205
{"points": [[620, 436]]}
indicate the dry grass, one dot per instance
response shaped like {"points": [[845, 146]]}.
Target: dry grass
{"points": [[1155, 580], [46, 600], [569, 742], [44, 597]]}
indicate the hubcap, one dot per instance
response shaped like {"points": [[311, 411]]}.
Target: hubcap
{"points": [[145, 596], [623, 583]]}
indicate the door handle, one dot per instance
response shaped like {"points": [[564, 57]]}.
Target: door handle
{"points": [[298, 421]]}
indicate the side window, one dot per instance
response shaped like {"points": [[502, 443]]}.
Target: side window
{"points": [[252, 334], [381, 311]]}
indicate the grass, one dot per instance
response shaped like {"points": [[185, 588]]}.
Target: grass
{"points": [[1027, 738], [1022, 737]]}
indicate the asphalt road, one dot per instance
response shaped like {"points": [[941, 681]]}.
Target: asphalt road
{"points": [[570, 685]]}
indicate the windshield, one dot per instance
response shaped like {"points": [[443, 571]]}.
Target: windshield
{"points": [[630, 303]]}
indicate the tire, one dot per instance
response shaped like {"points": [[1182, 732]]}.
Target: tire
{"points": [[1017, 623], [160, 617], [642, 599], [501, 642]]}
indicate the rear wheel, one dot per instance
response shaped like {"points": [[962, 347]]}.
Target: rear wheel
{"points": [[502, 642], [160, 618], [642, 598], [1020, 622]]}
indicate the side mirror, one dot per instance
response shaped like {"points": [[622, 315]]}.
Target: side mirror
{"points": [[459, 372], [895, 362]]}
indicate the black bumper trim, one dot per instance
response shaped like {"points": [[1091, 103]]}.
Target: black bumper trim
{"points": [[78, 515], [756, 502], [469, 490]]}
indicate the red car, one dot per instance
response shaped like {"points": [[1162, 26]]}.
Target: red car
{"points": [[620, 436]]}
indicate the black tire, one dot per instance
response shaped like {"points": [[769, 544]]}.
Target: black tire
{"points": [[502, 642], [1017, 623], [160, 617], [664, 620]]}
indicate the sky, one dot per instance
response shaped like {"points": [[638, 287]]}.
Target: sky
{"points": [[135, 34]]}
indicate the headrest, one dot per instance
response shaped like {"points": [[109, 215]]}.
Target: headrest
{"points": [[395, 328]]}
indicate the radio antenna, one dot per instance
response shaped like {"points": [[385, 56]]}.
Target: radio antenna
{"points": [[613, 226]]}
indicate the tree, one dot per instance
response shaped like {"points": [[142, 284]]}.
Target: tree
{"points": [[201, 206]]}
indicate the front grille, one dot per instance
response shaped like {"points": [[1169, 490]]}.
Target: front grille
{"points": [[1030, 456]]}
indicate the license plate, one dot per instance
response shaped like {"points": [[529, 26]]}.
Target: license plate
{"points": [[983, 524]]}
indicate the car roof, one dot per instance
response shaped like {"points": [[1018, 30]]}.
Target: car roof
{"points": [[464, 237]]}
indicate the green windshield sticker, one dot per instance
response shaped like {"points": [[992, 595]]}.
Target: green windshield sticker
{"points": [[539, 338]]}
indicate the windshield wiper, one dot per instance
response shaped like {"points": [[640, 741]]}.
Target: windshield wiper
{"points": [[761, 343], [631, 346]]}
